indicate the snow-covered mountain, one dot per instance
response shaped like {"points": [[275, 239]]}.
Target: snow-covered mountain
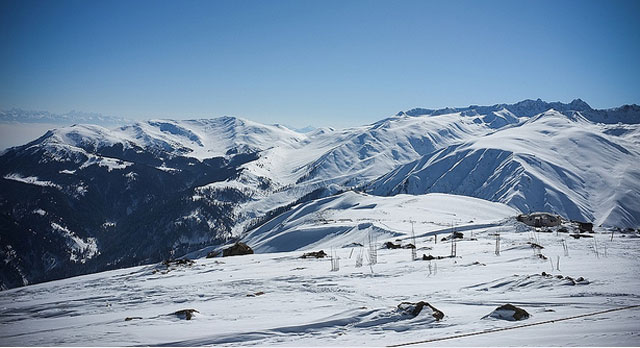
{"points": [[19, 126], [551, 162], [90, 198]]}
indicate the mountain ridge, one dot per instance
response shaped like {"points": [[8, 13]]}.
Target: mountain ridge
{"points": [[530, 107], [182, 185]]}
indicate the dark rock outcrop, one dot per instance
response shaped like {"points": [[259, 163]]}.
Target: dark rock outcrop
{"points": [[255, 294], [316, 254], [213, 253], [429, 257], [132, 318], [414, 309], [391, 245], [509, 312], [580, 235], [239, 248], [178, 262]]}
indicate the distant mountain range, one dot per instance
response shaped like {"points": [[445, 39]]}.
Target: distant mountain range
{"points": [[71, 117], [86, 198]]}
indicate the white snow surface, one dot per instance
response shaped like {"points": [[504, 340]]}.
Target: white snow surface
{"points": [[279, 299], [348, 217], [32, 180]]}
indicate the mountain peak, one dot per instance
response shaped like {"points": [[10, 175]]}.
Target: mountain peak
{"points": [[579, 105]]}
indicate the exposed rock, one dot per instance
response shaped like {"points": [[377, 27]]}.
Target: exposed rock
{"points": [[509, 312], [317, 254], [239, 248], [255, 294], [185, 314], [414, 309], [431, 257], [173, 264], [213, 253], [178, 262], [131, 318], [390, 245], [580, 235], [569, 280], [408, 246]]}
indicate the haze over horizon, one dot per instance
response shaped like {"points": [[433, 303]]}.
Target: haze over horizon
{"points": [[334, 64]]}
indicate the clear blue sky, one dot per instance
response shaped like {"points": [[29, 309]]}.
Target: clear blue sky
{"points": [[313, 62]]}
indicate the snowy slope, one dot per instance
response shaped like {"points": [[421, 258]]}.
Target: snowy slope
{"points": [[283, 300], [332, 160], [551, 162], [192, 138], [354, 217]]}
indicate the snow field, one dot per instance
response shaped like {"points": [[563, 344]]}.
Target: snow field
{"points": [[304, 303]]}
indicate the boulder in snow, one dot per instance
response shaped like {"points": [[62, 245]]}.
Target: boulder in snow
{"points": [[414, 309], [391, 245], [509, 312], [185, 314], [317, 254], [237, 249]]}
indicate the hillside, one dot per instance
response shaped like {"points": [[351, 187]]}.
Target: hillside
{"points": [[86, 198], [281, 299], [551, 162]]}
